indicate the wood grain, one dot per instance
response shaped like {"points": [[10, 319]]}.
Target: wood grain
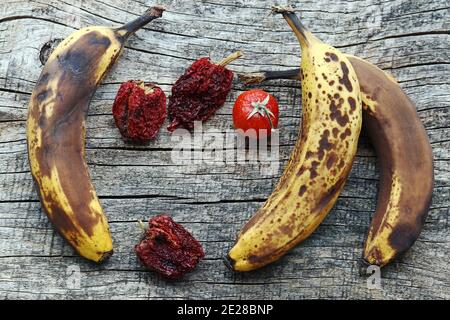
{"points": [[409, 38]]}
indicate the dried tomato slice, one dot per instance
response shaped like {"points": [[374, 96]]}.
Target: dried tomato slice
{"points": [[139, 110], [168, 248], [200, 92]]}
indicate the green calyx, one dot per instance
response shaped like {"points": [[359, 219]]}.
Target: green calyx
{"points": [[261, 108]]}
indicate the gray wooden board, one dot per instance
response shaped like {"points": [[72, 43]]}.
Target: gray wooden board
{"points": [[409, 38]]}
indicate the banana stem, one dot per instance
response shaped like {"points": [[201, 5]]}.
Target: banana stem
{"points": [[131, 27], [302, 33], [259, 77]]}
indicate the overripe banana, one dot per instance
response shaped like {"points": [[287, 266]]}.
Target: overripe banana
{"points": [[56, 133], [320, 161], [393, 126], [406, 165]]}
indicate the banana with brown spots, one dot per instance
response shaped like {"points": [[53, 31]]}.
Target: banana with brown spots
{"points": [[406, 164], [56, 133], [406, 161], [320, 161]]}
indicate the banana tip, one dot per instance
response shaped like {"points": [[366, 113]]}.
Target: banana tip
{"points": [[229, 263], [364, 265], [282, 10], [156, 10], [105, 256], [251, 78]]}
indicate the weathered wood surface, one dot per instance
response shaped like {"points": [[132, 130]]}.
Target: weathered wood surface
{"points": [[409, 38]]}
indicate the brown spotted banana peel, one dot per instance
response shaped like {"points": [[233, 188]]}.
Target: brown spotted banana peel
{"points": [[320, 161], [406, 165], [406, 183], [56, 133]]}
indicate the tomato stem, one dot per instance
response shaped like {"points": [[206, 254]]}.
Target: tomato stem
{"points": [[147, 89], [267, 111], [141, 225], [260, 107], [230, 58]]}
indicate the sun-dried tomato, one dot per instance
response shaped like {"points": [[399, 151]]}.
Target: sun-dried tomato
{"points": [[200, 92], [168, 248], [139, 110]]}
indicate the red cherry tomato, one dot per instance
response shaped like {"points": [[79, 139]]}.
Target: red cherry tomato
{"points": [[258, 110]]}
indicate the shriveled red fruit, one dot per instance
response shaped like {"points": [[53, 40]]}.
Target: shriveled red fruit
{"points": [[139, 110], [168, 248], [200, 92]]}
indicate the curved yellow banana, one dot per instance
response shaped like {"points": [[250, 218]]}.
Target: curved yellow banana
{"points": [[320, 161], [406, 184], [56, 133]]}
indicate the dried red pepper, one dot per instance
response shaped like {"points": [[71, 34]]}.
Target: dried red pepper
{"points": [[168, 248], [200, 92], [139, 110]]}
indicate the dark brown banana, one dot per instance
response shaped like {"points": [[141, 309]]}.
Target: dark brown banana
{"points": [[56, 133]]}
